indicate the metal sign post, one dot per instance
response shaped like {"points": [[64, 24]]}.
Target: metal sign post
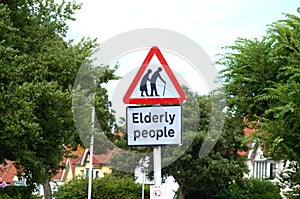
{"points": [[91, 168], [143, 181], [90, 183], [91, 156], [157, 165], [157, 190]]}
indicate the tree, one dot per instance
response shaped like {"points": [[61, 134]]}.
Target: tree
{"points": [[198, 177], [247, 74], [202, 177], [284, 114], [262, 82], [38, 70]]}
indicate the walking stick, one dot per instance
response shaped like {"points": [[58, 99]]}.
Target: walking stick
{"points": [[164, 89]]}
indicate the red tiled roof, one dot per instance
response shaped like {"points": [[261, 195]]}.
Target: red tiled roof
{"points": [[98, 158], [248, 133], [104, 158], [78, 161], [243, 153], [7, 172], [81, 154], [70, 161], [60, 172]]}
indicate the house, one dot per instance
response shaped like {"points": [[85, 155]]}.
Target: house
{"points": [[68, 172], [261, 167], [101, 164], [78, 165]]}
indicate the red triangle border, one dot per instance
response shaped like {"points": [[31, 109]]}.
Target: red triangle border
{"points": [[127, 97]]}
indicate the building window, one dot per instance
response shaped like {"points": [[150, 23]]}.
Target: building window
{"points": [[260, 169], [97, 174], [272, 170]]}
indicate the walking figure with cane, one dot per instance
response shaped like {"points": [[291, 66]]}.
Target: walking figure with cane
{"points": [[143, 86], [153, 81]]}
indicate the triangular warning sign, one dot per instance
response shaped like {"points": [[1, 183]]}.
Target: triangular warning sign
{"points": [[156, 85]]}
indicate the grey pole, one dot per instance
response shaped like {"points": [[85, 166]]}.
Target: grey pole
{"points": [[91, 157], [143, 185], [91, 152]]}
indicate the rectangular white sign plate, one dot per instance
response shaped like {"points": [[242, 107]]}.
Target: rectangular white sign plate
{"points": [[153, 125]]}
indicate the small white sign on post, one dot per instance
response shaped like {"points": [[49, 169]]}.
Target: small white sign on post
{"points": [[157, 192], [153, 125]]}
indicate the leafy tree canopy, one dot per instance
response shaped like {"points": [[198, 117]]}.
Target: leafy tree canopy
{"points": [[38, 67], [262, 83]]}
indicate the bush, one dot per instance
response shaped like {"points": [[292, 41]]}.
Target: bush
{"points": [[16, 192], [233, 192], [264, 189], [108, 187], [252, 189]]}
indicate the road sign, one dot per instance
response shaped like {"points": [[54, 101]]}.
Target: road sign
{"points": [[155, 125], [154, 83], [157, 192]]}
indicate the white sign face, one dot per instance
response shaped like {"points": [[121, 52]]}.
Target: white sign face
{"points": [[155, 125], [157, 192]]}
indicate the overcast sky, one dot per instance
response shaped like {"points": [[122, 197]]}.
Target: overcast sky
{"points": [[210, 23]]}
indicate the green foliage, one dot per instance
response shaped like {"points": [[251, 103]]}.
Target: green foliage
{"points": [[89, 94], [208, 175], [197, 176], [108, 187], [222, 165], [232, 192], [263, 189], [247, 74], [250, 189], [38, 70], [262, 82], [15, 192]]}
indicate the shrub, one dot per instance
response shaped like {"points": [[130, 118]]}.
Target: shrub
{"points": [[264, 189], [108, 187], [251, 189], [16, 192]]}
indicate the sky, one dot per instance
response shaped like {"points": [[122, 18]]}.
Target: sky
{"points": [[211, 23]]}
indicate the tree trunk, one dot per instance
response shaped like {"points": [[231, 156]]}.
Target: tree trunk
{"points": [[181, 193], [47, 190]]}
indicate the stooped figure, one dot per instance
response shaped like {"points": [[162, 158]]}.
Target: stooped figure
{"points": [[143, 86], [153, 81]]}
